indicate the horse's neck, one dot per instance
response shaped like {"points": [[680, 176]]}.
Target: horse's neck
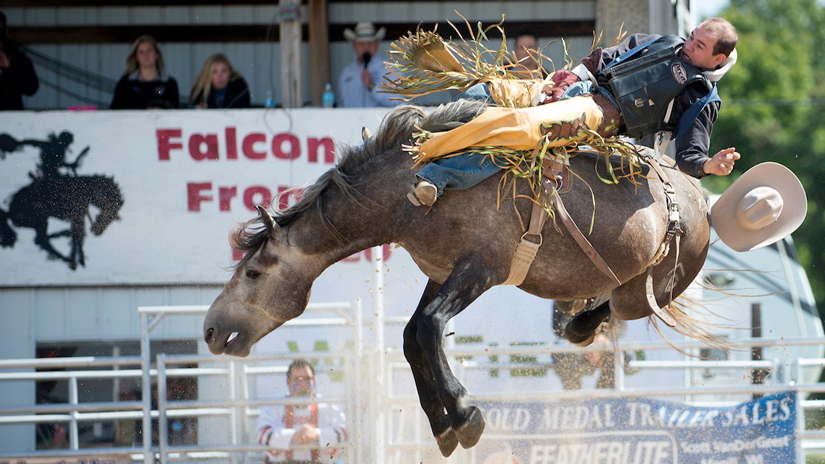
{"points": [[371, 223]]}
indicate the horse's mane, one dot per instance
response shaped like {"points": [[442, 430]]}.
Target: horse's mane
{"points": [[397, 128]]}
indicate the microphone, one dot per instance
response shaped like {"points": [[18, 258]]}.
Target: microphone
{"points": [[366, 57]]}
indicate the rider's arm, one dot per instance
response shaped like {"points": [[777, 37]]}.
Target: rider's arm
{"points": [[600, 57], [692, 151]]}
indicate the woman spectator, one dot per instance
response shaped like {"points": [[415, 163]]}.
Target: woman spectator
{"points": [[145, 84], [219, 86]]}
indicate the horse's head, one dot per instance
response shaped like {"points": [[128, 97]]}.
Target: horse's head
{"points": [[107, 197], [270, 286]]}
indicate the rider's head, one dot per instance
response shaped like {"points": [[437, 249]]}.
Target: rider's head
{"points": [[65, 138], [710, 43]]}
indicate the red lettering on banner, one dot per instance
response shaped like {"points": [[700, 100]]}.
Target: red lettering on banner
{"points": [[249, 197], [278, 142], [194, 197], [231, 145], [248, 146], [284, 146], [386, 252], [326, 143], [165, 144], [225, 195], [237, 255], [196, 142]]}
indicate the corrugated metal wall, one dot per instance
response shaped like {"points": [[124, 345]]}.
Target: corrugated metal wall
{"points": [[259, 62]]}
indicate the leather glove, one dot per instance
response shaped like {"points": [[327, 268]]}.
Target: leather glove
{"points": [[562, 80]]}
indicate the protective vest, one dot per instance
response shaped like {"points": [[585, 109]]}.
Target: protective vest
{"points": [[646, 79]]}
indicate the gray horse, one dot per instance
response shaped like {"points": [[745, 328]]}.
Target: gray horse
{"points": [[465, 246]]}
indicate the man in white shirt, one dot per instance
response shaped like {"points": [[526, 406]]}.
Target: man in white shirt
{"points": [[283, 426], [359, 80]]}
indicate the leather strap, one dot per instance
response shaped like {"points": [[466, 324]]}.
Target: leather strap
{"points": [[526, 250], [673, 230], [577, 234]]}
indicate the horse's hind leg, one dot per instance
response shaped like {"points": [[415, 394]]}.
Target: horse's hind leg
{"points": [[469, 279], [424, 380], [7, 234]]}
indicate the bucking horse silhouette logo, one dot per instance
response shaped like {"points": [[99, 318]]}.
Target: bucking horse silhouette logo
{"points": [[57, 191]]}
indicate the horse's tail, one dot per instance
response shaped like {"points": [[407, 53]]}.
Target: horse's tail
{"points": [[681, 310], [7, 234]]}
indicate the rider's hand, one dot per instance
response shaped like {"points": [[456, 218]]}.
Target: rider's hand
{"points": [[4, 61], [562, 79], [722, 163]]}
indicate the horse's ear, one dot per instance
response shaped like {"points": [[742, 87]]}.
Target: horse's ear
{"points": [[267, 220]]}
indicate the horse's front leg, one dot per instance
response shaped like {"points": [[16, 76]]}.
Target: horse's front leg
{"points": [[424, 380], [78, 235], [469, 279]]}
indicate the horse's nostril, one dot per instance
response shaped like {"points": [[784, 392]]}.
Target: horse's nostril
{"points": [[208, 334]]}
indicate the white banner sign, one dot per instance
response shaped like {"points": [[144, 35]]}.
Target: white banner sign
{"points": [[176, 180]]}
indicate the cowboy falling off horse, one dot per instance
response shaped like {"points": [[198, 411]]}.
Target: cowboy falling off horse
{"points": [[627, 226]]}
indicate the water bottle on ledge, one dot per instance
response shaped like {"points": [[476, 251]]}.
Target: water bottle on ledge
{"points": [[269, 102], [329, 97]]}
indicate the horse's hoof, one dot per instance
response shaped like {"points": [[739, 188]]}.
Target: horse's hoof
{"points": [[469, 433], [579, 340], [447, 442]]}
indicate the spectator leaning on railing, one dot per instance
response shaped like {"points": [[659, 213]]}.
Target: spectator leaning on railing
{"points": [[145, 84], [17, 76], [281, 427], [219, 86]]}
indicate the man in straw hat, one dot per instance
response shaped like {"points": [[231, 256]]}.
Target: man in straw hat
{"points": [[359, 80], [657, 84]]}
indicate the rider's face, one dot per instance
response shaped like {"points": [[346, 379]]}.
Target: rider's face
{"points": [[698, 50]]}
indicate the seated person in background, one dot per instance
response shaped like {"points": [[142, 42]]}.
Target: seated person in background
{"points": [[17, 76], [283, 426], [219, 86], [527, 54], [145, 84]]}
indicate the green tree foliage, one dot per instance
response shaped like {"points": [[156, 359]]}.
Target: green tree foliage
{"points": [[772, 105]]}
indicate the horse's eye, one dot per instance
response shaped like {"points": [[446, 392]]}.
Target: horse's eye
{"points": [[252, 274]]}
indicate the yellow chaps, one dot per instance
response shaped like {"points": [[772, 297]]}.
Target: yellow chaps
{"points": [[520, 128]]}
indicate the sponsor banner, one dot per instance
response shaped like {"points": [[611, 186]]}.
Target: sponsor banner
{"points": [[639, 431], [90, 459], [148, 197]]}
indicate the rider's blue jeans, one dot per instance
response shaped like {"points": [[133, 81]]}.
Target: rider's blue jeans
{"points": [[464, 171]]}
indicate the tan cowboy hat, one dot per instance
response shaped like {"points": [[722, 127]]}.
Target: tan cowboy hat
{"points": [[364, 32], [763, 206]]}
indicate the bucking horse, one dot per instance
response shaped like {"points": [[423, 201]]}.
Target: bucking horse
{"points": [[465, 245]]}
